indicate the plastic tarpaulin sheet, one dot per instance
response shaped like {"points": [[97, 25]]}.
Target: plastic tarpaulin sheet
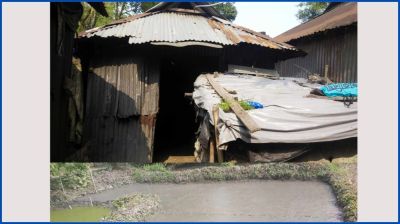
{"points": [[288, 116], [340, 89]]}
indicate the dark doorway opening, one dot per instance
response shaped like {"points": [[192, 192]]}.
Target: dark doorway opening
{"points": [[176, 125]]}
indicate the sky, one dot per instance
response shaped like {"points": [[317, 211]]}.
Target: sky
{"points": [[272, 17]]}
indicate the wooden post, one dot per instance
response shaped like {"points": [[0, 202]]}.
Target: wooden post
{"points": [[220, 155], [326, 72], [212, 150], [236, 108]]}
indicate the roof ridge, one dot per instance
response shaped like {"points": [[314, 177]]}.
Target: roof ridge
{"points": [[117, 22]]}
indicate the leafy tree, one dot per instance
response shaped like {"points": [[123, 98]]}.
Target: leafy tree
{"points": [[309, 10], [227, 9], [115, 10], [124, 9], [119, 10], [147, 5]]}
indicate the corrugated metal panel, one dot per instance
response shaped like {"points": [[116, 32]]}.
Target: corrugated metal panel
{"points": [[122, 103], [123, 87], [121, 140], [342, 15], [339, 51], [179, 26]]}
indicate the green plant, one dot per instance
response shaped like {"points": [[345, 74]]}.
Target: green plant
{"points": [[225, 106]]}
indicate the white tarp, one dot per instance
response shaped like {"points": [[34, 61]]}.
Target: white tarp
{"points": [[288, 115]]}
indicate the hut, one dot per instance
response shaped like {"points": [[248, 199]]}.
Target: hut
{"points": [[137, 70], [330, 41]]}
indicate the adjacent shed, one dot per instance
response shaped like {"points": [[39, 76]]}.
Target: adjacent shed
{"points": [[330, 41], [138, 69]]}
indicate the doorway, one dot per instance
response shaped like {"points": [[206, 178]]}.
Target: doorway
{"points": [[176, 126]]}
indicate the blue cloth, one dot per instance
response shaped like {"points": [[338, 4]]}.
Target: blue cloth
{"points": [[256, 105], [340, 89]]}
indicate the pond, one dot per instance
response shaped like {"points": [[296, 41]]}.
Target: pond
{"points": [[79, 214], [236, 201]]}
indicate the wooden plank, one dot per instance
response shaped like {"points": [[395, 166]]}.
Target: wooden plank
{"points": [[252, 71], [220, 155], [235, 106], [180, 159]]}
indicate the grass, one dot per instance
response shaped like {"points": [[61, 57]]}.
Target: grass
{"points": [[134, 207], [158, 172], [155, 167]]}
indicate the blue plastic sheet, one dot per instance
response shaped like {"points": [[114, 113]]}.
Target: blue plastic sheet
{"points": [[256, 105], [340, 89]]}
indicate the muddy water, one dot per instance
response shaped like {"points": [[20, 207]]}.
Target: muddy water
{"points": [[79, 214], [237, 201]]}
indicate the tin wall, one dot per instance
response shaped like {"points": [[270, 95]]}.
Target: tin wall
{"points": [[121, 108], [337, 49]]}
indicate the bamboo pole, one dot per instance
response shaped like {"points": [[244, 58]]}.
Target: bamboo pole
{"points": [[63, 190], [62, 187], [91, 175]]}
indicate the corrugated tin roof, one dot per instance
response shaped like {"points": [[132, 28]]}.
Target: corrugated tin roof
{"points": [[342, 15], [182, 25]]}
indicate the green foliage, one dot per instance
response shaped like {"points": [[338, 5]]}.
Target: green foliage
{"points": [[225, 106], [73, 175], [144, 6], [309, 10], [119, 10], [227, 9], [115, 10]]}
